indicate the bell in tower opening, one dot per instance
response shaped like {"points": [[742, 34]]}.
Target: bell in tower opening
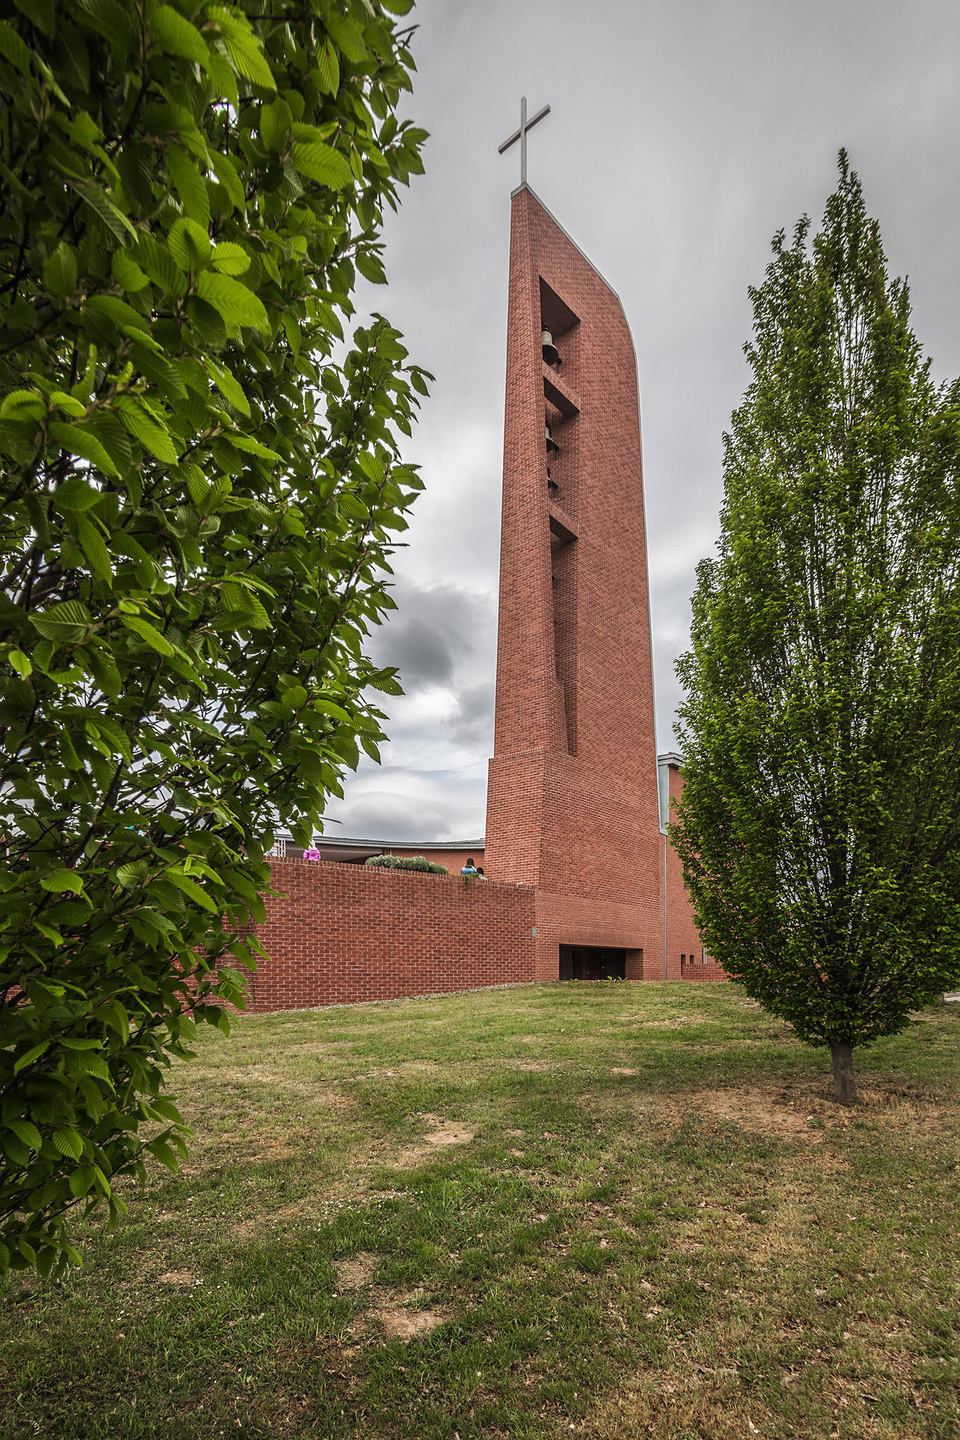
{"points": [[551, 355], [552, 446]]}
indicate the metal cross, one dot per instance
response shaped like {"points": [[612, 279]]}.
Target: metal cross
{"points": [[521, 135]]}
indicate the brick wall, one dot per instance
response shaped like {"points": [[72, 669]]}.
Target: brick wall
{"points": [[343, 933], [686, 954]]}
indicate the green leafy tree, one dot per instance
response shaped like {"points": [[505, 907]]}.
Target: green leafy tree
{"points": [[819, 826], [200, 485]]}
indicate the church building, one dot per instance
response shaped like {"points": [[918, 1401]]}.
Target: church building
{"points": [[580, 880]]}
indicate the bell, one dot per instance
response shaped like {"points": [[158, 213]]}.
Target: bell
{"points": [[551, 355], [552, 446]]}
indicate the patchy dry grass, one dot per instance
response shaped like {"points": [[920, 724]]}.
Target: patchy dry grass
{"points": [[608, 1211]]}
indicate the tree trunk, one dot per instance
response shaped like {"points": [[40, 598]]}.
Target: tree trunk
{"points": [[844, 1078]]}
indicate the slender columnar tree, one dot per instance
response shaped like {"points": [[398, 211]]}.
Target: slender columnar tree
{"points": [[820, 821], [199, 482]]}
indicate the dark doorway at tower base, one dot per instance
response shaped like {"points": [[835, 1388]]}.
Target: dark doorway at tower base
{"points": [[590, 962]]}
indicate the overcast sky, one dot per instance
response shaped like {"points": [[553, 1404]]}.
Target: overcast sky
{"points": [[682, 137]]}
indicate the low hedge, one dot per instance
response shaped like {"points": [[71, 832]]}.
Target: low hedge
{"points": [[407, 862]]}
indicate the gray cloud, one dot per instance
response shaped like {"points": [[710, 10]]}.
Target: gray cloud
{"points": [[431, 633], [472, 722], [681, 138], [420, 651], [442, 638], [405, 805]]}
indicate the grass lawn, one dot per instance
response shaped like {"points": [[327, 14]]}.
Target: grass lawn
{"points": [[600, 1210]]}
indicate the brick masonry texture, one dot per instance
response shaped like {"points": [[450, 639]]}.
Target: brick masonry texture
{"points": [[344, 933], [574, 853], [572, 799]]}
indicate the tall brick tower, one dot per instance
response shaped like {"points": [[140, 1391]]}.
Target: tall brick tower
{"points": [[572, 799]]}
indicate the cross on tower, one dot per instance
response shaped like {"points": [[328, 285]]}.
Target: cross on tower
{"points": [[521, 135]]}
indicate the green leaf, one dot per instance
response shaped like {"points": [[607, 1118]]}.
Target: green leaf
{"points": [[49, 931], [160, 265], [62, 881], [166, 1109], [13, 48], [242, 47], [117, 311], [370, 466], [237, 304], [253, 615], [230, 259], [328, 69], [88, 1064], [29, 1056], [164, 1154], [197, 485], [322, 163], [102, 206], [107, 729], [39, 13], [189, 244], [93, 546], [20, 663], [370, 266], [225, 170], [26, 1131], [133, 874], [145, 428], [127, 272], [191, 888], [347, 36], [22, 405], [245, 442], [174, 34], [275, 125], [149, 633], [229, 387], [223, 79], [82, 1180], [352, 506], [325, 706], [68, 1142], [65, 623], [60, 270], [80, 440], [192, 189]]}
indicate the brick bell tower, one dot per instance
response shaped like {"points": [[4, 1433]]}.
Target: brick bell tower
{"points": [[572, 799]]}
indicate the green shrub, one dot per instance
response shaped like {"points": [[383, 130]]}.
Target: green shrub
{"points": [[407, 862]]}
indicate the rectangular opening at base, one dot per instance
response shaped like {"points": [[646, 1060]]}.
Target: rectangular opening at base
{"points": [[591, 962]]}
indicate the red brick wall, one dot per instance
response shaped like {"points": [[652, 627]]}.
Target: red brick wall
{"points": [[342, 933], [684, 948]]}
